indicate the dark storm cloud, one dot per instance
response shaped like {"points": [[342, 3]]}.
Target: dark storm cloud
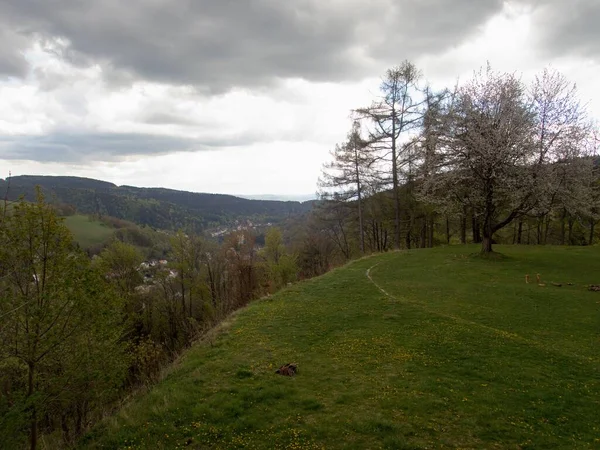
{"points": [[218, 44], [88, 147], [568, 28]]}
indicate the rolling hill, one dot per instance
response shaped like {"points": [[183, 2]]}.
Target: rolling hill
{"points": [[156, 207], [88, 233], [421, 349]]}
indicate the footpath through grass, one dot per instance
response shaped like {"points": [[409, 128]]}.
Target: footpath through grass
{"points": [[458, 352]]}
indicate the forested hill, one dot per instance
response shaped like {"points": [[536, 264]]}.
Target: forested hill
{"points": [[156, 207]]}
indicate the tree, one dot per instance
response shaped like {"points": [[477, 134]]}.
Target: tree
{"points": [[335, 218], [243, 272], [428, 145], [315, 253], [282, 267], [348, 172], [274, 248], [187, 260], [59, 321], [397, 113], [594, 210], [120, 262], [490, 151], [560, 138]]}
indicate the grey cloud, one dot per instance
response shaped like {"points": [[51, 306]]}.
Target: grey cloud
{"points": [[69, 147], [165, 118], [568, 28], [432, 27], [218, 44], [12, 44]]}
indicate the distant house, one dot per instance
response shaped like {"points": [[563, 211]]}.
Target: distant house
{"points": [[142, 289]]}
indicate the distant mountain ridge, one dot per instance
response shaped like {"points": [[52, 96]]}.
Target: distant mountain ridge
{"points": [[156, 207], [283, 198]]}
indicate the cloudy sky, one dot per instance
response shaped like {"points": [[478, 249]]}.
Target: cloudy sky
{"points": [[246, 96]]}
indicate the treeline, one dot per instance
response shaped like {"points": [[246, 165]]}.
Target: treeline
{"points": [[78, 333], [159, 208], [489, 160]]}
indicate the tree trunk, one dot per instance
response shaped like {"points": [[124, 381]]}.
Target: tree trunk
{"points": [[546, 228], [375, 238], [592, 226], [563, 230], [79, 419], [520, 232], [486, 243], [360, 214], [182, 281], [463, 227], [65, 429], [33, 430], [447, 230], [213, 290], [571, 223], [431, 229], [395, 184], [476, 230], [360, 225], [385, 239]]}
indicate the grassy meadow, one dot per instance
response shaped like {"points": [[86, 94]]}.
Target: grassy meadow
{"points": [[87, 232], [411, 350]]}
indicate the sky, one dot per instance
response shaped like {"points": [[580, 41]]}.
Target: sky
{"points": [[247, 97]]}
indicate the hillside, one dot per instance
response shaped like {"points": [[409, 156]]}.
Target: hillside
{"points": [[87, 232], [420, 349], [156, 207]]}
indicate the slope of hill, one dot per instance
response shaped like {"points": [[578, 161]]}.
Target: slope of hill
{"points": [[156, 207], [420, 349], [87, 232]]}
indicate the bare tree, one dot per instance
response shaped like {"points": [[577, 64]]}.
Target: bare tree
{"points": [[560, 139], [334, 219], [347, 173], [428, 145], [397, 113]]}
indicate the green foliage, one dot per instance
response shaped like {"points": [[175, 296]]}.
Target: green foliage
{"points": [[60, 328], [281, 267], [148, 359], [120, 262], [274, 245], [462, 353], [287, 269]]}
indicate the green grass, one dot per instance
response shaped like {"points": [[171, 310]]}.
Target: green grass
{"points": [[458, 352], [88, 232]]}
